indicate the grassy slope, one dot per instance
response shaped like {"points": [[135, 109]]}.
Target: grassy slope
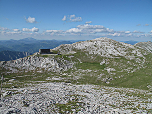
{"points": [[139, 79], [97, 75]]}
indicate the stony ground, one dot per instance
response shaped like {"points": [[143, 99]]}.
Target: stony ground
{"points": [[68, 98]]}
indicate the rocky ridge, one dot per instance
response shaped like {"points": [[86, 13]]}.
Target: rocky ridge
{"points": [[105, 47], [145, 45], [108, 51], [36, 64]]}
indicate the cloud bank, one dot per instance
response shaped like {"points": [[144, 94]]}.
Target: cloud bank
{"points": [[30, 30]]}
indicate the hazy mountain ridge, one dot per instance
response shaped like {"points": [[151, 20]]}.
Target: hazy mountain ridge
{"points": [[12, 55], [29, 45], [26, 45], [132, 42]]}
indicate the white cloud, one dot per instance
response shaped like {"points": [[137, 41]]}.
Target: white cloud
{"points": [[85, 30], [120, 31], [54, 31], [64, 18], [76, 19], [4, 29], [127, 32], [88, 22], [99, 30], [144, 35], [13, 32], [35, 29], [87, 26], [114, 34], [30, 20], [72, 18], [110, 30], [148, 35], [90, 29], [2, 32], [50, 31], [135, 31], [26, 30], [30, 30], [74, 30], [16, 30], [102, 30], [94, 28]]}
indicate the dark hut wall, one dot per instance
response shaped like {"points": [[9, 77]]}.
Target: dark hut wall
{"points": [[44, 51]]}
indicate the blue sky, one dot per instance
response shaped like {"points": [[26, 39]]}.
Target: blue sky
{"points": [[120, 20]]}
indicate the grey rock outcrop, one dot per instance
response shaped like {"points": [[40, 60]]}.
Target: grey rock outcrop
{"points": [[145, 45], [37, 64], [105, 47]]}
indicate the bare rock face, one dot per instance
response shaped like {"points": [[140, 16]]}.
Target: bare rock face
{"points": [[105, 47], [145, 45], [125, 57], [38, 64]]}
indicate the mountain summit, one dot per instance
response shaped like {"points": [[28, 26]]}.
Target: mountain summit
{"points": [[104, 47]]}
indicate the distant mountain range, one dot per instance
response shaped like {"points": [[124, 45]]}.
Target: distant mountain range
{"points": [[14, 49], [29, 45], [132, 42]]}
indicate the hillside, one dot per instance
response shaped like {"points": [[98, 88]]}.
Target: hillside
{"points": [[103, 74], [108, 62], [145, 45], [100, 61]]}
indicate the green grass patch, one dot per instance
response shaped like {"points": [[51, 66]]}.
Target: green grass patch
{"points": [[74, 104], [90, 65]]}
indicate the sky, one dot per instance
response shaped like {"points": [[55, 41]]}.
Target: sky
{"points": [[121, 20]]}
